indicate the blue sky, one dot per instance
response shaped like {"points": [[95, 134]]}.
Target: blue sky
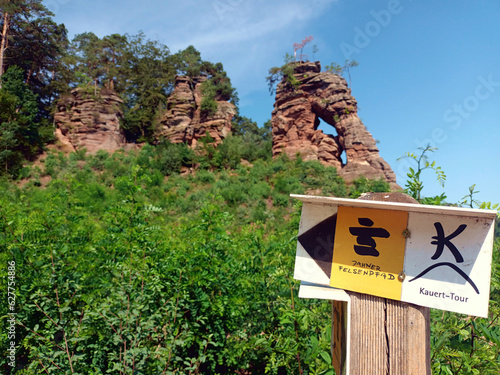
{"points": [[428, 70]]}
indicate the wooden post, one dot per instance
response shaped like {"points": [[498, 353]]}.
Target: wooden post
{"points": [[386, 336]]}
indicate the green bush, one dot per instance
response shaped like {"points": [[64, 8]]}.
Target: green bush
{"points": [[98, 160], [286, 184], [363, 185], [170, 158], [78, 155], [229, 153], [50, 165], [260, 190], [234, 193], [208, 107], [205, 177], [280, 199]]}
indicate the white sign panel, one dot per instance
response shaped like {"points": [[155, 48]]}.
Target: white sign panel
{"points": [[433, 256], [448, 263]]}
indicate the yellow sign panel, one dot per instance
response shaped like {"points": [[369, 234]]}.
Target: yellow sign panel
{"points": [[368, 252]]}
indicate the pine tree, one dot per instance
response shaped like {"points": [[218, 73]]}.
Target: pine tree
{"points": [[19, 131], [17, 16]]}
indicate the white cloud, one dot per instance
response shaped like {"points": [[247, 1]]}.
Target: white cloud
{"points": [[246, 21]]}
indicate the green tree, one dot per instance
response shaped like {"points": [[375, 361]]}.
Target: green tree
{"points": [[414, 184], [17, 16], [39, 47], [188, 62], [341, 70], [243, 126], [257, 141], [139, 70], [150, 80], [97, 59], [31, 40], [217, 85], [19, 132], [286, 71]]}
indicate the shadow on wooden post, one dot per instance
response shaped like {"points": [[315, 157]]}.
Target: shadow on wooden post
{"points": [[386, 336]]}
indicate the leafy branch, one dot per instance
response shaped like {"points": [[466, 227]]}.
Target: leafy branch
{"points": [[469, 200], [341, 70], [276, 74], [414, 184]]}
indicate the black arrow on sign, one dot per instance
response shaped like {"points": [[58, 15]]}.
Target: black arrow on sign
{"points": [[318, 242]]}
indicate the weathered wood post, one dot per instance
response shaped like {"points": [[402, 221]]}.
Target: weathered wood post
{"points": [[387, 336]]}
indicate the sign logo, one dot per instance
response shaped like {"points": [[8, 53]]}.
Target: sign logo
{"points": [[368, 252]]}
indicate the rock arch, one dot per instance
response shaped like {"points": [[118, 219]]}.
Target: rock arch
{"points": [[325, 96]]}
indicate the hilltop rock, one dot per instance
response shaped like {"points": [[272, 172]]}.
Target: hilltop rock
{"points": [[296, 117], [183, 122], [90, 121]]}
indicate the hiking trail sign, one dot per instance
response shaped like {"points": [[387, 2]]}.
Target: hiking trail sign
{"points": [[431, 256]]}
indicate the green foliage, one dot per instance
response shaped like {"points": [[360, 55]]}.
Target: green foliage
{"points": [[121, 270], [471, 202], [414, 184], [118, 278], [34, 43], [255, 142], [341, 70], [141, 71], [208, 106], [469, 198], [286, 72], [188, 62], [469, 345], [217, 87], [170, 157], [437, 200], [150, 79], [362, 185], [19, 132], [463, 345]]}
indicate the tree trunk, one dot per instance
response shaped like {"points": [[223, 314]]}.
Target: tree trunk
{"points": [[3, 44], [30, 72]]}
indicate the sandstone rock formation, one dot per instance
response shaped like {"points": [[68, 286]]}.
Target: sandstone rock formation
{"points": [[90, 121], [296, 117], [184, 120]]}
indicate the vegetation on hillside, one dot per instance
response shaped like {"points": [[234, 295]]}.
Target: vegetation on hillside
{"points": [[125, 265]]}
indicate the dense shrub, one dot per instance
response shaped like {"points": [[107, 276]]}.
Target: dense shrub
{"points": [[170, 157], [362, 184]]}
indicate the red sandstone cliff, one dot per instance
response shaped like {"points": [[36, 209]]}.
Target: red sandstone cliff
{"points": [[90, 121], [184, 122], [324, 95]]}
